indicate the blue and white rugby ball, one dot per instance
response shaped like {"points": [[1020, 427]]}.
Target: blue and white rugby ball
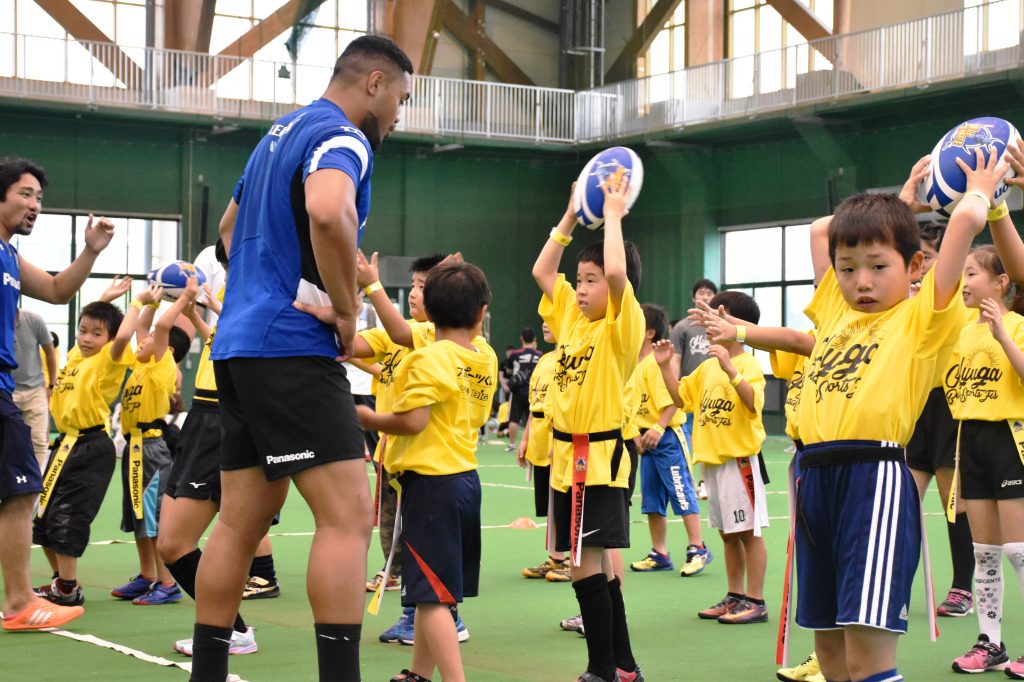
{"points": [[946, 183], [588, 199], [173, 277]]}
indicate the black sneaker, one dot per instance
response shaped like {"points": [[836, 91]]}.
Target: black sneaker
{"points": [[260, 588], [52, 594]]}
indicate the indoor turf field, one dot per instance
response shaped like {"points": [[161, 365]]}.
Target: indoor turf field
{"points": [[513, 624]]}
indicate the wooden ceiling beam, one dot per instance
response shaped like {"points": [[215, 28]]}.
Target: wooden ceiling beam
{"points": [[81, 28], [624, 66], [459, 24]]}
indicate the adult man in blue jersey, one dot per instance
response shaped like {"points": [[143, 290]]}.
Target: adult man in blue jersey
{"points": [[292, 229], [21, 189]]}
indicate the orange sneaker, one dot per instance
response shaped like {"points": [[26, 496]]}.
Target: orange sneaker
{"points": [[40, 614]]}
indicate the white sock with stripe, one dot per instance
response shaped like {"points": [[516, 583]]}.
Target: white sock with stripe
{"points": [[988, 590]]}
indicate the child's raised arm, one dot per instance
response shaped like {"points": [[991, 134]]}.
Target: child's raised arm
{"points": [[667, 361], [197, 321], [1004, 234], [967, 221], [722, 327], [615, 188], [368, 276], [545, 270], [162, 331], [149, 298], [820, 259]]}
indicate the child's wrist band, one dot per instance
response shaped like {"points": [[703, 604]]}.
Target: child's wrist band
{"points": [[657, 428], [980, 195], [137, 304], [559, 238], [376, 286], [741, 332], [738, 379], [154, 304], [998, 213]]}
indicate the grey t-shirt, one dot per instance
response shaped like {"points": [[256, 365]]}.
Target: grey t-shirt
{"points": [[692, 345], [30, 332]]}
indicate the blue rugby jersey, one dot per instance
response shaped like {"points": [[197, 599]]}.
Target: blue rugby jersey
{"points": [[10, 291], [271, 255]]}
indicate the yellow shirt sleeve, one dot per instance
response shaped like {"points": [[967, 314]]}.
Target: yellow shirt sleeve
{"points": [[560, 311], [827, 305]]}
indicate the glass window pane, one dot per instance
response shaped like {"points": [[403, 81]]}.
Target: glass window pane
{"points": [[131, 26], [165, 243], [49, 245], [678, 48], [241, 8], [753, 255], [226, 30], [741, 4], [742, 34], [797, 298], [34, 21], [798, 252], [769, 300], [659, 54], [99, 13], [823, 10], [769, 30], [114, 258], [679, 16]]}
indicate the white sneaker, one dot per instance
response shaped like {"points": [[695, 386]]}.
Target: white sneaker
{"points": [[241, 643]]}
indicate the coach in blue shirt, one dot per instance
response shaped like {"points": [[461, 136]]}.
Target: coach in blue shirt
{"points": [[292, 229]]}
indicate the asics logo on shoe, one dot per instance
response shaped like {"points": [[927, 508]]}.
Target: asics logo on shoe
{"points": [[197, 486], [1008, 482]]}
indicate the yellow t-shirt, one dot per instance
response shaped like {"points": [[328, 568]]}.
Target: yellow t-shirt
{"points": [[654, 396], [723, 428], [791, 367], [538, 448], [981, 383], [458, 385], [390, 355], [147, 393], [595, 358], [630, 402], [870, 373], [86, 387], [206, 382]]}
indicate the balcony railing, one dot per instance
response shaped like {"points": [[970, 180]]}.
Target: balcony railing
{"points": [[953, 45]]}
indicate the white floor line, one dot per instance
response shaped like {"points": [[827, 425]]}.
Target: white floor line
{"points": [[128, 651]]}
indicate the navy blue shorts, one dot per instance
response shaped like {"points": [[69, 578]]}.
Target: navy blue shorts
{"points": [[665, 479], [858, 536], [440, 538], [19, 470]]}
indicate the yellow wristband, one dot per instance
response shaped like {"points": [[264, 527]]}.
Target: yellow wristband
{"points": [[560, 238], [741, 332], [376, 286], [980, 195], [657, 429], [154, 305], [998, 213], [738, 379], [137, 304]]}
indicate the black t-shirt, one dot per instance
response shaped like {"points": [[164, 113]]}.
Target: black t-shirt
{"points": [[522, 363]]}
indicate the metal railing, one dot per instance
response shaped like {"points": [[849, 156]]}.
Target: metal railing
{"points": [[952, 45]]}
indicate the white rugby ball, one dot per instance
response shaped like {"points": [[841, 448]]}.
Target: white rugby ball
{"points": [[588, 199]]}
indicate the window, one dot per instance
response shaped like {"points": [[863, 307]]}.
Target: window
{"points": [[756, 28], [668, 51], [138, 246], [772, 264], [993, 25]]}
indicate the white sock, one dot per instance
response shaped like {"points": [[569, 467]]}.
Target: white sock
{"points": [[988, 590], [1015, 552]]}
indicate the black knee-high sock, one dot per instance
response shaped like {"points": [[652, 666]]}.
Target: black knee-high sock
{"points": [[184, 571], [210, 653], [596, 609], [961, 549], [263, 567], [620, 632], [337, 651]]}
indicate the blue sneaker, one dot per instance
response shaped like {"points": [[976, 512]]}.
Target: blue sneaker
{"points": [[160, 594], [460, 629], [653, 562], [136, 587], [697, 558], [403, 627]]}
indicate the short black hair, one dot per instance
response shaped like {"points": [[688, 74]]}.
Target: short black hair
{"points": [[874, 219], [56, 339], [454, 295], [739, 305], [703, 284], [369, 53], [109, 314], [13, 167], [425, 264], [655, 318], [932, 233], [528, 335], [179, 342], [594, 253], [220, 253]]}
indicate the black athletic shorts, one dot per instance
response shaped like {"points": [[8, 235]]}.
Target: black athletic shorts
{"points": [[19, 470], [933, 444], [519, 408], [440, 538], [605, 518], [77, 495], [634, 468], [285, 414], [195, 470], [990, 466]]}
